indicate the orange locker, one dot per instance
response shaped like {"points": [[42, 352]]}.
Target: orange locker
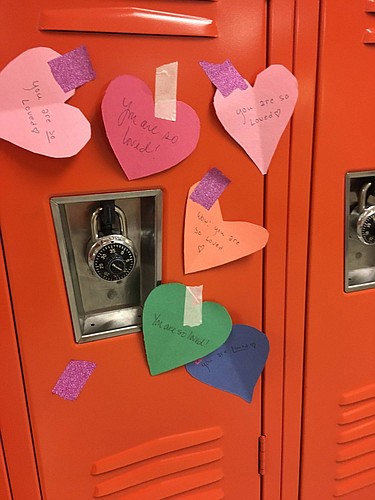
{"points": [[191, 441], [308, 432], [338, 450]]}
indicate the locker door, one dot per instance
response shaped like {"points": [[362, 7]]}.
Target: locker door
{"points": [[15, 436], [338, 451], [122, 407], [4, 482]]}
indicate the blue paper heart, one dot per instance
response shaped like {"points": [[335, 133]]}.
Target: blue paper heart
{"points": [[235, 366]]}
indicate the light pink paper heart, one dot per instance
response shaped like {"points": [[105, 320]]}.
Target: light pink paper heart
{"points": [[32, 111], [257, 117], [145, 145], [209, 241]]}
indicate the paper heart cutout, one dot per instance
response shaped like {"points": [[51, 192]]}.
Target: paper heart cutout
{"points": [[168, 342], [236, 366], [257, 117], [32, 111], [209, 241], [145, 145]]}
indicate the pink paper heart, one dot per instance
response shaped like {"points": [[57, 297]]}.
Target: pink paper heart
{"points": [[32, 110], [257, 117], [145, 145], [209, 241]]}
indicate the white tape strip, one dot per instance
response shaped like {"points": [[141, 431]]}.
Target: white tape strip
{"points": [[166, 91], [193, 306]]}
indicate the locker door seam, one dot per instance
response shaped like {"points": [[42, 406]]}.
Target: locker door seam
{"points": [[21, 366]]}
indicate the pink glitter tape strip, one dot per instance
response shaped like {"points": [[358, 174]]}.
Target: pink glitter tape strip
{"points": [[224, 76], [210, 188], [73, 69], [73, 379]]}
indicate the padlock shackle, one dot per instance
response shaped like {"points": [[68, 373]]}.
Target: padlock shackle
{"points": [[107, 217], [95, 219], [362, 197]]}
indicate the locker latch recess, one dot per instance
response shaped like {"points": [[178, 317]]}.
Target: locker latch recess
{"points": [[360, 231]]}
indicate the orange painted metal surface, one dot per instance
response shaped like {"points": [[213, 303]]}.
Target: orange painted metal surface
{"points": [[304, 68], [14, 423], [293, 33], [119, 411], [279, 51], [127, 20], [338, 459], [5, 493], [122, 406]]}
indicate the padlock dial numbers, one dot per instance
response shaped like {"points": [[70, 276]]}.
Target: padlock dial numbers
{"points": [[114, 262], [368, 230]]}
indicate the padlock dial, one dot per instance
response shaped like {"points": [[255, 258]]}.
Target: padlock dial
{"points": [[113, 262], [368, 230]]}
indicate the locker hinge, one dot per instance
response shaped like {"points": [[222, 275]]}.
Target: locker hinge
{"points": [[262, 455]]}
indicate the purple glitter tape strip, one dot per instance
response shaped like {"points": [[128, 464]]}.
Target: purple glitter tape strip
{"points": [[210, 188], [73, 69], [224, 76], [73, 379]]}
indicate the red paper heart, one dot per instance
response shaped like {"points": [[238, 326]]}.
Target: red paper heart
{"points": [[145, 145]]}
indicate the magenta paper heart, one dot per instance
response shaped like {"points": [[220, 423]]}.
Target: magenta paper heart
{"points": [[145, 145], [257, 117], [32, 111]]}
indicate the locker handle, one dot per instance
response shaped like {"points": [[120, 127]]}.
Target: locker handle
{"points": [[370, 6], [369, 36], [130, 20]]}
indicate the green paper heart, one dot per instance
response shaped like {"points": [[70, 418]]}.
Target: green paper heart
{"points": [[168, 342]]}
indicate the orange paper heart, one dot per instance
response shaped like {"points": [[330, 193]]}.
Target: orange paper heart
{"points": [[209, 241]]}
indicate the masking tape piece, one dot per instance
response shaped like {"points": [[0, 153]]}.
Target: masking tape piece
{"points": [[166, 91], [73, 69], [224, 76], [210, 188], [193, 306]]}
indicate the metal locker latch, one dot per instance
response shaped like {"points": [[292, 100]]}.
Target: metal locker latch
{"points": [[111, 261]]}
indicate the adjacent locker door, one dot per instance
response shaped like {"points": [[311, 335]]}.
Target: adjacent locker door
{"points": [[122, 406], [338, 447]]}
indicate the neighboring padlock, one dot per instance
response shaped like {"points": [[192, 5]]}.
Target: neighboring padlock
{"points": [[111, 257], [366, 217]]}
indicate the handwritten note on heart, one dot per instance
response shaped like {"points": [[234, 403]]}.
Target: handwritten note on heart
{"points": [[145, 145], [209, 241], [236, 366], [32, 111], [168, 342], [257, 117]]}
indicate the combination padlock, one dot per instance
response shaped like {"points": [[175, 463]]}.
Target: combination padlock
{"points": [[111, 257], [366, 217]]}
